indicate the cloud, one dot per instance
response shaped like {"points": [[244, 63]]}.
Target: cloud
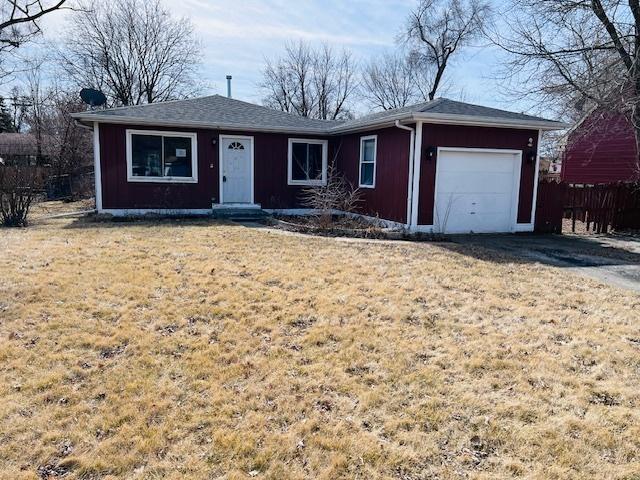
{"points": [[237, 36]]}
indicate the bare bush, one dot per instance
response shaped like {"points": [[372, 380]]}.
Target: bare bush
{"points": [[336, 195], [19, 188]]}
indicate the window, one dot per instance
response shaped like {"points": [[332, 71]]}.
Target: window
{"points": [[161, 156], [307, 162], [368, 153]]}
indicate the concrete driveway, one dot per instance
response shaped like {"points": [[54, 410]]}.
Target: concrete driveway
{"points": [[612, 259]]}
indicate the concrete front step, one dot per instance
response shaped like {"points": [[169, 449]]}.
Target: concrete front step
{"points": [[240, 214]]}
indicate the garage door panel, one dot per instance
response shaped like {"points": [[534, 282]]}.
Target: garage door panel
{"points": [[477, 162], [475, 191], [469, 183]]}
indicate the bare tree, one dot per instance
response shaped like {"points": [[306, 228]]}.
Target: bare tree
{"points": [[315, 83], [132, 50], [20, 23], [577, 55], [437, 29], [62, 146], [388, 82]]}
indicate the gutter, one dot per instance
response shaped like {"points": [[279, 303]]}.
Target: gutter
{"points": [[440, 118], [191, 124], [412, 143]]}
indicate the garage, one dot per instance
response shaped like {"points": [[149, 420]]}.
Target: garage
{"points": [[476, 190]]}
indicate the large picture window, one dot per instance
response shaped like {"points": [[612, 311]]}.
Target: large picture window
{"points": [[161, 156], [307, 162], [368, 154]]}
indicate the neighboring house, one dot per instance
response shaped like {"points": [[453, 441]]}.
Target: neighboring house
{"points": [[600, 149], [437, 166], [550, 168], [24, 149]]}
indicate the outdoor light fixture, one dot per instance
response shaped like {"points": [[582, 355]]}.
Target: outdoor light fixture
{"points": [[214, 141], [530, 144], [531, 156], [430, 153]]}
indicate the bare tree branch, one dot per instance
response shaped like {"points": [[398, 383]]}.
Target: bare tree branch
{"points": [[132, 50], [310, 82], [436, 29]]}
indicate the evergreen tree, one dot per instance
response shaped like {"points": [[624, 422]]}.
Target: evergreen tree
{"points": [[6, 120]]}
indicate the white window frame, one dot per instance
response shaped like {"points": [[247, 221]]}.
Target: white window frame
{"points": [[362, 161], [314, 141], [160, 133]]}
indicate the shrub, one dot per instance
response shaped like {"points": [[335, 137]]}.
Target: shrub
{"points": [[338, 194], [19, 187]]}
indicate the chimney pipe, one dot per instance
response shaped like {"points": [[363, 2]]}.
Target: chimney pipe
{"points": [[229, 77]]}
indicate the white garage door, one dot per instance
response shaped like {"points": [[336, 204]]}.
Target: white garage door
{"points": [[476, 191]]}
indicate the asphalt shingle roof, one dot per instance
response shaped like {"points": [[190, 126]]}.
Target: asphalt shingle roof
{"points": [[215, 110], [219, 111], [446, 107]]}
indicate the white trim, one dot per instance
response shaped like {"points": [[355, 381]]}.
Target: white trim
{"points": [[221, 166], [449, 119], [234, 206], [412, 137], [310, 211], [524, 227], [423, 229], [112, 119], [415, 190], [134, 212], [479, 121], [361, 160], [515, 194], [292, 211], [536, 180], [325, 153], [97, 166], [160, 133]]}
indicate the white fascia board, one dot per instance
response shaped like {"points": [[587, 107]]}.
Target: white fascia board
{"points": [[437, 118], [191, 124], [471, 120]]}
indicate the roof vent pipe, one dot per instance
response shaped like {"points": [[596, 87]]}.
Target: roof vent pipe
{"points": [[229, 77]]}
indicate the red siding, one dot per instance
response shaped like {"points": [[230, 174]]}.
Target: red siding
{"points": [[475, 137], [271, 176], [601, 150], [118, 193], [388, 199], [270, 171]]}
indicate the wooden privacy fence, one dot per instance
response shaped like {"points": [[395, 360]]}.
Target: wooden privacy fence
{"points": [[550, 206], [604, 207], [599, 207]]}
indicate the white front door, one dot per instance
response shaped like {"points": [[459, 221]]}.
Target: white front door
{"points": [[236, 159], [476, 190]]}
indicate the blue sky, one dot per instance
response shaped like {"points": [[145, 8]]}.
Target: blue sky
{"points": [[237, 35]]}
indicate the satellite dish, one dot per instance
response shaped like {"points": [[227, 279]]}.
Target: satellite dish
{"points": [[93, 97]]}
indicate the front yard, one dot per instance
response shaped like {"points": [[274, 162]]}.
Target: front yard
{"points": [[190, 349]]}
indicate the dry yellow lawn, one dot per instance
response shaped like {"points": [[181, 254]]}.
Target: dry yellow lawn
{"points": [[198, 350]]}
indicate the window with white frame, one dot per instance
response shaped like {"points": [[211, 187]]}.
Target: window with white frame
{"points": [[307, 162], [368, 153], [154, 156]]}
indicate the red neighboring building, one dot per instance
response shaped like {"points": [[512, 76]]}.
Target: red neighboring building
{"points": [[600, 150], [439, 166]]}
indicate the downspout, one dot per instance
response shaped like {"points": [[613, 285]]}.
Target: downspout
{"points": [[411, 155]]}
